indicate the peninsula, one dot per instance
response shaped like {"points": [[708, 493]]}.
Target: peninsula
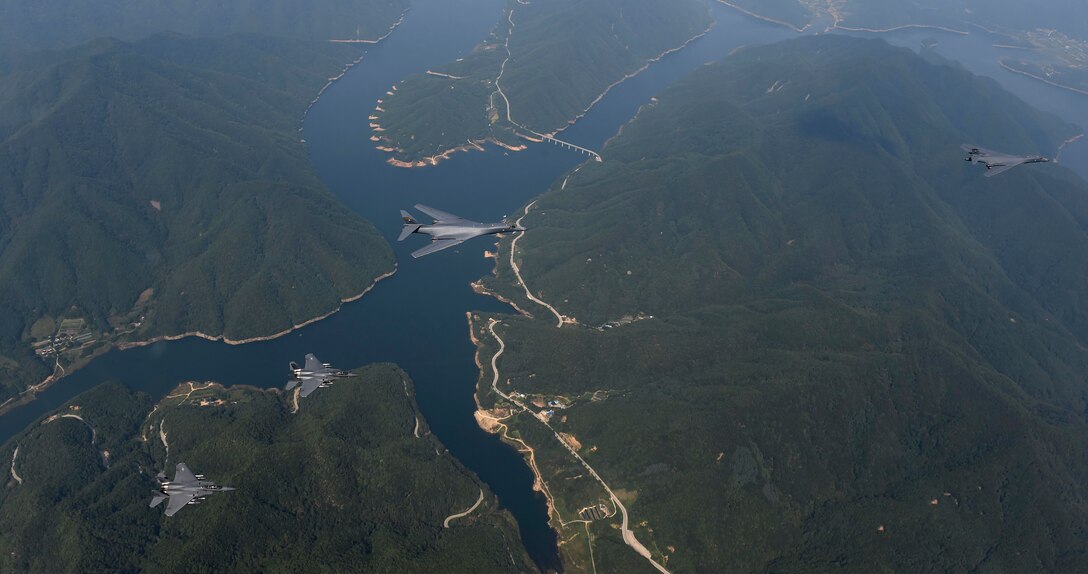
{"points": [[542, 67]]}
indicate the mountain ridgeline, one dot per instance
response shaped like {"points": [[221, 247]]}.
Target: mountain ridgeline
{"points": [[32, 25], [554, 58], [159, 188], [353, 481], [832, 341]]}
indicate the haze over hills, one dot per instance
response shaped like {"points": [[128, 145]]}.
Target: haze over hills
{"points": [[809, 335], [1045, 40], [160, 188], [1068, 16], [352, 482], [554, 58], [30, 24]]}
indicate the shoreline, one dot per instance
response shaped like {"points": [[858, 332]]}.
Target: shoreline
{"points": [[1074, 139], [766, 18], [835, 25], [229, 341], [379, 38], [1042, 79], [479, 288], [350, 65], [500, 429], [30, 393], [630, 75], [477, 144], [903, 27], [472, 145]]}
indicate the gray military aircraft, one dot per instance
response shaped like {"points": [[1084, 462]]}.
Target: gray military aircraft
{"points": [[313, 375], [997, 162], [186, 488], [448, 229]]}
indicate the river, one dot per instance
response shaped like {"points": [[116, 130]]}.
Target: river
{"points": [[417, 317]]}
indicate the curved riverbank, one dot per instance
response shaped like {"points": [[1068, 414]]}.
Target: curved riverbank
{"points": [[229, 341], [28, 395], [389, 146], [1042, 79]]}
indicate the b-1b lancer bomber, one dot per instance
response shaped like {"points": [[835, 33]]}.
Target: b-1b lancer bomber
{"points": [[186, 488], [448, 229], [997, 162], [313, 375]]}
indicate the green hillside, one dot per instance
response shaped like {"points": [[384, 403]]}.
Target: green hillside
{"points": [[38, 24], [810, 336], [344, 485], [161, 188], [559, 57]]}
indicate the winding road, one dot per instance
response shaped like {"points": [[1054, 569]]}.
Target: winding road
{"points": [[14, 474], [509, 118], [446, 522], [162, 437], [94, 433], [629, 537], [517, 271]]}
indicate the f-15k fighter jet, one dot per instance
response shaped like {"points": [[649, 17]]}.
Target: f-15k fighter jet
{"points": [[313, 375], [186, 488]]}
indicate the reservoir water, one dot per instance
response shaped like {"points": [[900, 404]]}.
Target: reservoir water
{"points": [[417, 318]]}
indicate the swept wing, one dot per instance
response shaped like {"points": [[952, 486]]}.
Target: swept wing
{"points": [[183, 474], [442, 216], [436, 245], [995, 169], [178, 501], [309, 385], [313, 365]]}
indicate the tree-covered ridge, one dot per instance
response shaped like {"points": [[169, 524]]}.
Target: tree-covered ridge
{"points": [[160, 188], [555, 58], [32, 24], [809, 335], [351, 482]]}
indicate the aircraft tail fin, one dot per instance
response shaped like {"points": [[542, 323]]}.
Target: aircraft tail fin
{"points": [[410, 225], [157, 499], [291, 384]]}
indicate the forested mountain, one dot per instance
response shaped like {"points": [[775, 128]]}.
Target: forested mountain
{"points": [[555, 58], [38, 24], [352, 482], [160, 188], [809, 335]]}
